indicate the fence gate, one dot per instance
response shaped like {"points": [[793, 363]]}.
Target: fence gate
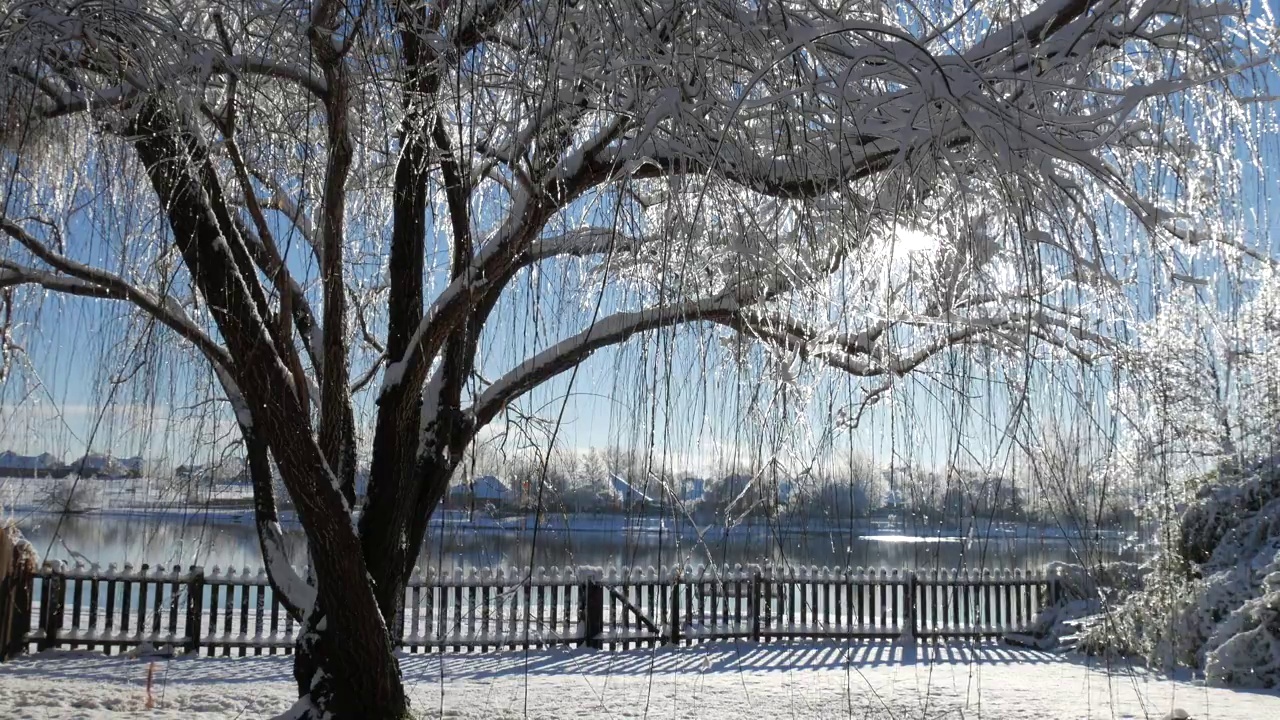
{"points": [[626, 609]]}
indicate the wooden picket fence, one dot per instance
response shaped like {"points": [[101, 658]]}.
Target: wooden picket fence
{"points": [[235, 612]]}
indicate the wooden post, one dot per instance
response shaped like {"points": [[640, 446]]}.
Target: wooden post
{"points": [[591, 606], [673, 610], [195, 609], [909, 600], [175, 589], [141, 632], [755, 606], [55, 589]]}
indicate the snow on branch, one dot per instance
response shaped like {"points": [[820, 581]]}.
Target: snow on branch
{"points": [[496, 255], [582, 242], [279, 70], [862, 354], [604, 332], [295, 591], [857, 354]]}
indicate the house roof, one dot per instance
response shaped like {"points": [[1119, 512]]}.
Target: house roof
{"points": [[628, 492], [485, 487]]}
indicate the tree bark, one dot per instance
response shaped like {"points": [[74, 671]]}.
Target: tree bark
{"points": [[334, 683]]}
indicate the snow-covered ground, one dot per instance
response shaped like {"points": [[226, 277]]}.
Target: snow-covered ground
{"points": [[865, 680]]}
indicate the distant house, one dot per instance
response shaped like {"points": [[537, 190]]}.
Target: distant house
{"points": [[693, 489], [98, 465], [627, 494], [786, 489], [740, 493], [11, 463], [227, 471], [733, 486], [484, 489], [134, 466]]}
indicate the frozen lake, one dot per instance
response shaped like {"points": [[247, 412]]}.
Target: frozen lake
{"points": [[456, 540]]}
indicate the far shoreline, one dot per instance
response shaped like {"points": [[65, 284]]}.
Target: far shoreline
{"points": [[239, 511]]}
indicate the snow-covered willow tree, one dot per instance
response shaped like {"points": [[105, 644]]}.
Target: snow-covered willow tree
{"points": [[328, 201], [1201, 408], [1206, 374]]}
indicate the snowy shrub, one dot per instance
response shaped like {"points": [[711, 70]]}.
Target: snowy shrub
{"points": [[71, 496], [1211, 600], [1246, 648], [1106, 581], [1203, 407], [1211, 525], [24, 555], [1082, 593], [1056, 625]]}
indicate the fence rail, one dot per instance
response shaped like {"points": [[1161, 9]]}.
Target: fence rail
{"points": [[235, 612]]}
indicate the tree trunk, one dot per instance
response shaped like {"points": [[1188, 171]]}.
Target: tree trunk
{"points": [[345, 666], [336, 678]]}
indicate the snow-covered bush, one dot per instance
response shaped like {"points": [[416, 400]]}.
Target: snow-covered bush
{"points": [[1245, 650], [24, 555], [1212, 594], [71, 496], [1082, 593], [1108, 582], [1202, 405]]}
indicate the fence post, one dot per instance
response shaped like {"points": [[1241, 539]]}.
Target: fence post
{"points": [[674, 608], [52, 601], [755, 605], [591, 607], [195, 609], [912, 588]]}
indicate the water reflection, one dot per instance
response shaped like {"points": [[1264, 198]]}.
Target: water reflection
{"points": [[199, 540]]}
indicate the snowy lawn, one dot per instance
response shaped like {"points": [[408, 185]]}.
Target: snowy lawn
{"points": [[723, 680]]}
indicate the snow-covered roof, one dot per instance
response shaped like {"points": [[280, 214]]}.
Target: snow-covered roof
{"points": [[693, 488], [628, 493], [13, 461], [484, 487]]}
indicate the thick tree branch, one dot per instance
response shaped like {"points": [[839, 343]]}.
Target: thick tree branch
{"points": [[856, 354], [337, 420], [391, 493], [201, 226], [88, 281], [317, 86], [297, 597], [264, 251], [583, 242], [603, 333]]}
